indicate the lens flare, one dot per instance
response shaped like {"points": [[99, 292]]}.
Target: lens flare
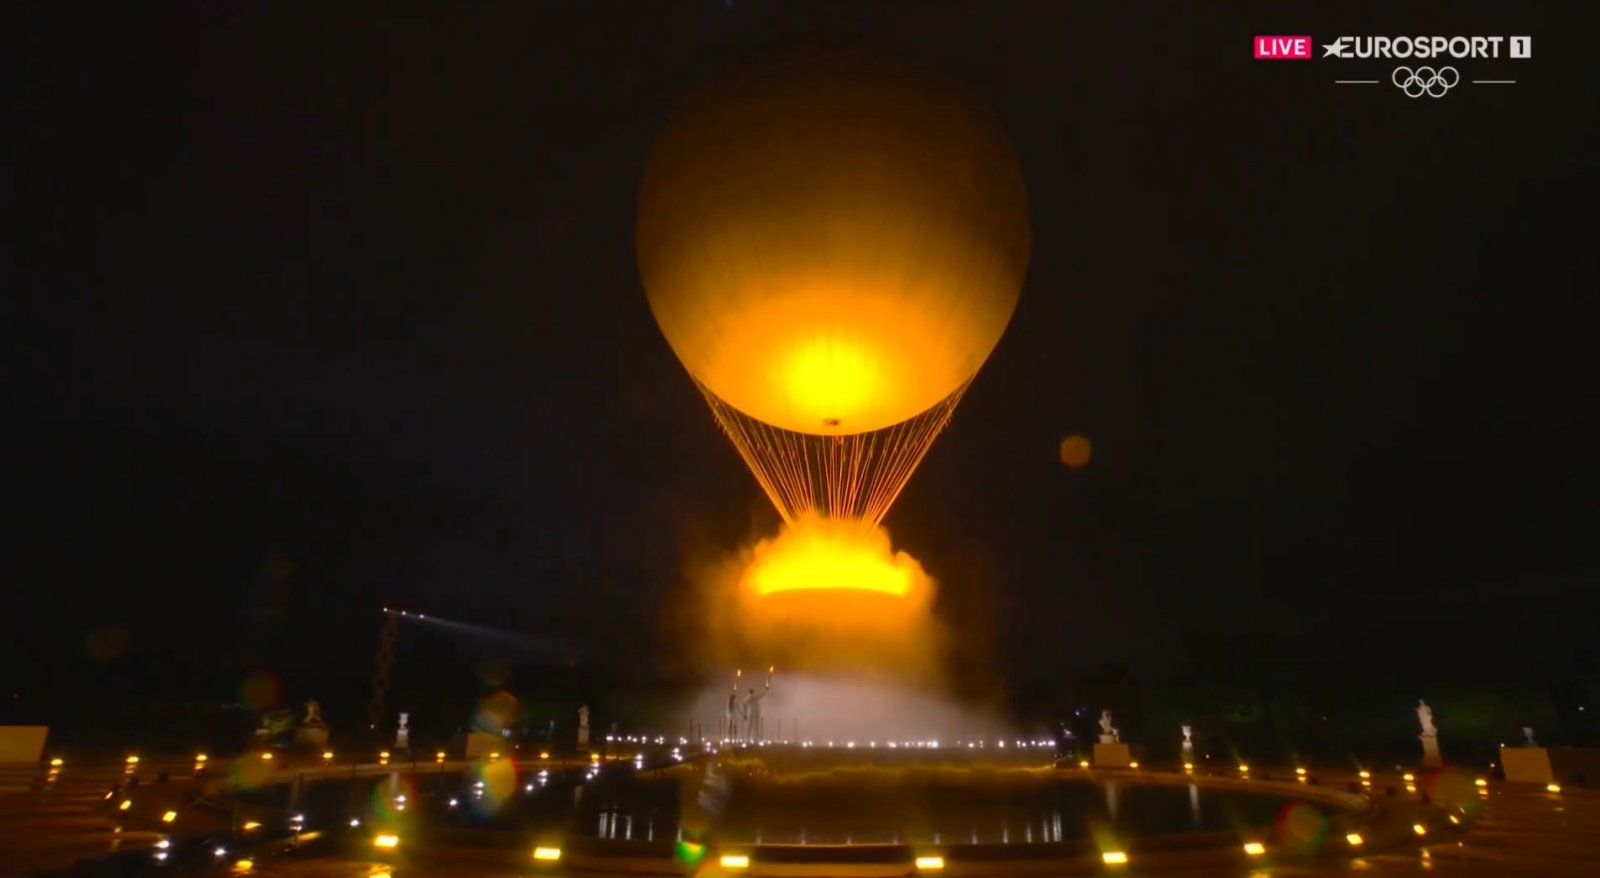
{"points": [[1074, 451]]}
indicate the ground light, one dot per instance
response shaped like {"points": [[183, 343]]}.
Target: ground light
{"points": [[1481, 782], [1114, 858], [126, 804], [547, 855], [1419, 829], [1355, 839], [1553, 787], [327, 756], [57, 762], [735, 861], [386, 841], [930, 863], [169, 816], [1254, 848]]}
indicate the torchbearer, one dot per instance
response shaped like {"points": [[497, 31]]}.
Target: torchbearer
{"points": [[752, 710]]}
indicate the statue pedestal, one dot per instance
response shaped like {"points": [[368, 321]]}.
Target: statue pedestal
{"points": [[1430, 751], [1526, 765], [311, 735], [1112, 755], [22, 743]]}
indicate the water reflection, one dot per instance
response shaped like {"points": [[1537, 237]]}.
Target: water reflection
{"points": [[847, 807]]}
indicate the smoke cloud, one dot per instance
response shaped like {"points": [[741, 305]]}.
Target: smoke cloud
{"points": [[845, 620]]}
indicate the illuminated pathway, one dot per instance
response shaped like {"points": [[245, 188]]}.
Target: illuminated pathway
{"points": [[50, 822]]}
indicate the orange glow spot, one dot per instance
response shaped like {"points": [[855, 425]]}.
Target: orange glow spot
{"points": [[831, 377], [1074, 451], [826, 553]]}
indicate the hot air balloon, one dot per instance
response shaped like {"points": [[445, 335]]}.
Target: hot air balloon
{"points": [[832, 244]]}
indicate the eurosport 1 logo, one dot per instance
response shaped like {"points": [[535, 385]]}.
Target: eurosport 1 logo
{"points": [[1434, 78]]}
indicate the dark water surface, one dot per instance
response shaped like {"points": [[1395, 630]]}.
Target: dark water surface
{"points": [[834, 806]]}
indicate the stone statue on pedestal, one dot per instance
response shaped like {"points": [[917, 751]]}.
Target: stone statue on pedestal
{"points": [[583, 725], [1188, 742], [313, 730], [1527, 732], [402, 735], [1429, 736], [1109, 751], [1108, 733]]}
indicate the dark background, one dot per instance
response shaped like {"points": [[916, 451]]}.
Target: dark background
{"points": [[309, 309]]}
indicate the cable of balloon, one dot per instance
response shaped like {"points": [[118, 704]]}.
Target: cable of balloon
{"points": [[855, 476]]}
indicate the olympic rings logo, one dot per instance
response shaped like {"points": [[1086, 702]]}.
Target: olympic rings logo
{"points": [[1425, 81]]}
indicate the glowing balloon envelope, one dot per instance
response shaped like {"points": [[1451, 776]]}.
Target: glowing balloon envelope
{"points": [[832, 245]]}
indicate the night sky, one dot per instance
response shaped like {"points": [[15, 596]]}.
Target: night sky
{"points": [[310, 309]]}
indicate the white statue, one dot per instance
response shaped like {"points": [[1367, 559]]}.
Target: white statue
{"points": [[313, 714], [1527, 732], [1425, 716], [402, 735], [1108, 733], [1188, 738], [583, 725]]}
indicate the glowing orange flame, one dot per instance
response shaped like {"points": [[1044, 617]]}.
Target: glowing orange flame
{"points": [[825, 553]]}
